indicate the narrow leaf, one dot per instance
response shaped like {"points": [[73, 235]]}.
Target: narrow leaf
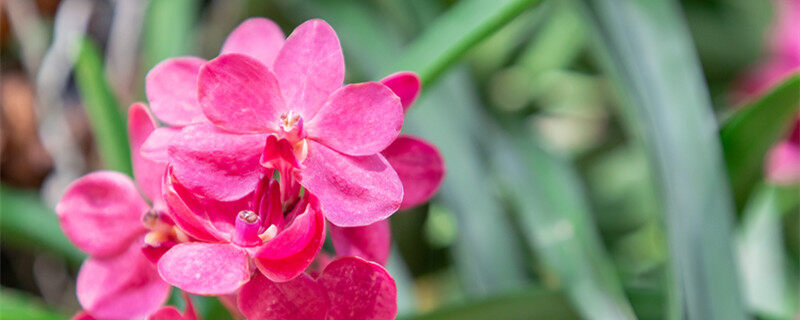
{"points": [[102, 109], [555, 220], [17, 306], [531, 304], [751, 131], [29, 223], [647, 50]]}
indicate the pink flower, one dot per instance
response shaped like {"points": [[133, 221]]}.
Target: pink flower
{"points": [[102, 214], [784, 51], [420, 167], [348, 288], [326, 137], [783, 159], [164, 313], [281, 239]]}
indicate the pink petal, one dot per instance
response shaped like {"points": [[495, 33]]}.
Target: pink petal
{"points": [[172, 91], [166, 313], [125, 286], [216, 164], [358, 289], [293, 250], [148, 173], [155, 148], [299, 298], [240, 94], [420, 167], [258, 38], [182, 207], [82, 315], [358, 119], [171, 313], [101, 213], [310, 66], [370, 242], [353, 191], [205, 268], [406, 85], [783, 164]]}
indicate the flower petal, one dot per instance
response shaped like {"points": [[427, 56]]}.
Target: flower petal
{"points": [[783, 163], [371, 242], [293, 250], [420, 166], [205, 268], [125, 286], [172, 91], [157, 143], [216, 164], [406, 85], [166, 313], [183, 207], [240, 94], [299, 298], [310, 66], [171, 313], [353, 191], [358, 119], [358, 289], [147, 172], [258, 38], [101, 213]]}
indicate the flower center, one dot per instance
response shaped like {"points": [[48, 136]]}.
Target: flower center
{"points": [[292, 126], [247, 225]]}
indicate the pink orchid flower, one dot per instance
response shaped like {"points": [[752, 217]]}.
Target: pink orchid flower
{"points": [[421, 169], [783, 159], [326, 137], [347, 288], [783, 51], [102, 213], [164, 313], [280, 239]]}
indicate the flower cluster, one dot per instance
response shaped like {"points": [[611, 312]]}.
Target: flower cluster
{"points": [[264, 150]]}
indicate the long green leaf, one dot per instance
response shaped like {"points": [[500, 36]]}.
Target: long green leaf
{"points": [[28, 223], [649, 53], [168, 29], [459, 29], [16, 306], [102, 109], [532, 304], [556, 222], [763, 256], [749, 133]]}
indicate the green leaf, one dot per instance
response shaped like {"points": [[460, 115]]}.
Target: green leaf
{"points": [[531, 304], [447, 39], [28, 223], [648, 52], [168, 29], [763, 258], [102, 109], [555, 220], [750, 132], [17, 306]]}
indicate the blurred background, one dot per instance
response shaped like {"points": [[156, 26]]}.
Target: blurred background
{"points": [[586, 175]]}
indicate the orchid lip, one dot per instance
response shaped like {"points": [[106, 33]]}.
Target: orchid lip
{"points": [[247, 227]]}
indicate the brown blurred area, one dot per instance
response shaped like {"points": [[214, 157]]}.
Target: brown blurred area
{"points": [[24, 162]]}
